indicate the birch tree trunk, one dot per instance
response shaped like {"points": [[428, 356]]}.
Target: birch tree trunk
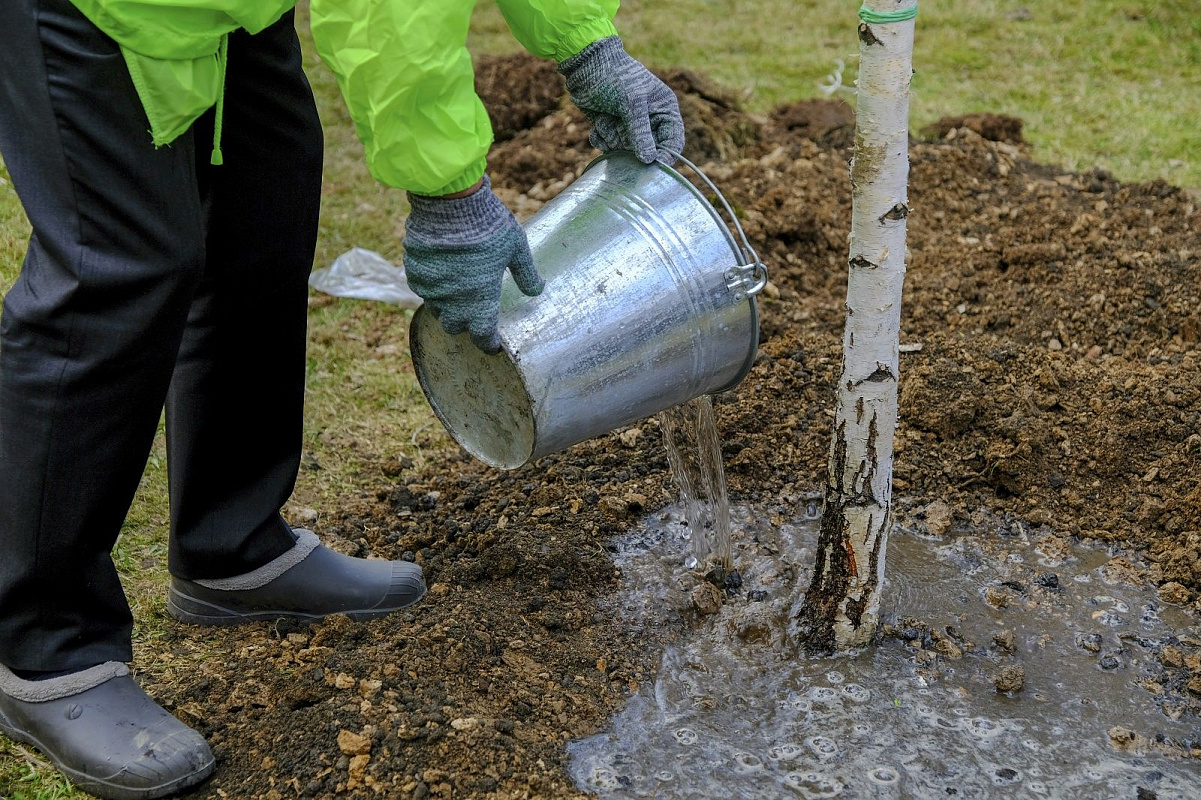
{"points": [[841, 609]]}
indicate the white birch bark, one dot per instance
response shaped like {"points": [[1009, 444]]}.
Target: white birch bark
{"points": [[841, 609]]}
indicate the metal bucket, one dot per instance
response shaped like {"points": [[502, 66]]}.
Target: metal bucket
{"points": [[649, 302]]}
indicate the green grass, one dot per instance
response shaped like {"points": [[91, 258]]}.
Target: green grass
{"points": [[28, 777], [14, 232], [1102, 83]]}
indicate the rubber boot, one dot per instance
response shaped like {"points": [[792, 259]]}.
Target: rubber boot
{"points": [[104, 733], [305, 584]]}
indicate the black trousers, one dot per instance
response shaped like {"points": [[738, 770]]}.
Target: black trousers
{"points": [[151, 277]]}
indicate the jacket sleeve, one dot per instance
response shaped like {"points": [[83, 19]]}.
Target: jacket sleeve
{"points": [[404, 70], [559, 29]]}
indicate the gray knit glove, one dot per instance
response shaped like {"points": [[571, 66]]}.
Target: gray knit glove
{"points": [[456, 253], [630, 109]]}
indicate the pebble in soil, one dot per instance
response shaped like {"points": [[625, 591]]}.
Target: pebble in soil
{"points": [[1007, 664]]}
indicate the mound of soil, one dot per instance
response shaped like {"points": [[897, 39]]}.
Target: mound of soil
{"points": [[716, 126], [542, 160], [994, 127], [518, 90], [1051, 378], [826, 122]]}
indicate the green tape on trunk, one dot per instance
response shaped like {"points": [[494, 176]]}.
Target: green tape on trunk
{"points": [[883, 17]]}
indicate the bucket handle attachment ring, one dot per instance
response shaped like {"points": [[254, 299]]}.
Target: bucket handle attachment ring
{"points": [[746, 279]]}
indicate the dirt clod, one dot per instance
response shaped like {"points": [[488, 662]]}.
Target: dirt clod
{"points": [[1121, 570], [1126, 740], [353, 744], [356, 771], [1174, 594], [1010, 679], [996, 598], [948, 649], [706, 598], [938, 518], [1006, 641]]}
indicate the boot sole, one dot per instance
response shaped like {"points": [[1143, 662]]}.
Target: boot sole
{"points": [[100, 787], [194, 611]]}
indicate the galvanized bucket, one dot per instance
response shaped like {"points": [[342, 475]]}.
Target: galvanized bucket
{"points": [[649, 302]]}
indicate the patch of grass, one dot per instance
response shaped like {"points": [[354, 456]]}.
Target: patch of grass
{"points": [[1113, 83], [25, 776], [14, 232]]}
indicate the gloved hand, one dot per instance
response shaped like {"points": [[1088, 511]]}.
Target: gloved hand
{"points": [[456, 253], [630, 109]]}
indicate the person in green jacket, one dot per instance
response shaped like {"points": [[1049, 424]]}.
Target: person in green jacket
{"points": [[168, 156]]}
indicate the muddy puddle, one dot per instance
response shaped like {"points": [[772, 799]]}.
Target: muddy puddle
{"points": [[1011, 667]]}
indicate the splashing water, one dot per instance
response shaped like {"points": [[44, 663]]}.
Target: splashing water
{"points": [[694, 453], [733, 712]]}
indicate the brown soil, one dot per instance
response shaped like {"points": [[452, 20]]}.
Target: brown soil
{"points": [[517, 91], [1058, 317], [826, 122], [994, 127]]}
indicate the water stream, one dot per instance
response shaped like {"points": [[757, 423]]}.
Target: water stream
{"points": [[694, 453], [734, 712]]}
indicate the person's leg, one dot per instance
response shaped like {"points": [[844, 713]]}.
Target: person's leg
{"points": [[88, 338], [234, 411], [89, 331]]}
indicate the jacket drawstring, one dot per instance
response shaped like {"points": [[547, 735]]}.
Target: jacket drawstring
{"points": [[217, 158]]}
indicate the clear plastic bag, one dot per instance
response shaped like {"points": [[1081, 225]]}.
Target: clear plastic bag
{"points": [[366, 275]]}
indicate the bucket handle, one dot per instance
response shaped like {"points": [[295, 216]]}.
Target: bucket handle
{"points": [[750, 277]]}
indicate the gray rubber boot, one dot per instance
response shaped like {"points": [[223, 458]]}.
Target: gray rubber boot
{"points": [[305, 584], [104, 733]]}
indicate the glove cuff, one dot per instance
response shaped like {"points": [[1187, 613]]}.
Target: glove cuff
{"points": [[600, 54], [462, 221]]}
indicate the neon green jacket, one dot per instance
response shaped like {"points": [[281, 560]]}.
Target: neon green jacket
{"points": [[402, 65]]}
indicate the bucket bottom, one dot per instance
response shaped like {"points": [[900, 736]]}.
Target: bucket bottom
{"points": [[480, 398]]}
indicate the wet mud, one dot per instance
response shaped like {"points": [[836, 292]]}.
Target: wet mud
{"points": [[1049, 376], [1006, 667]]}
